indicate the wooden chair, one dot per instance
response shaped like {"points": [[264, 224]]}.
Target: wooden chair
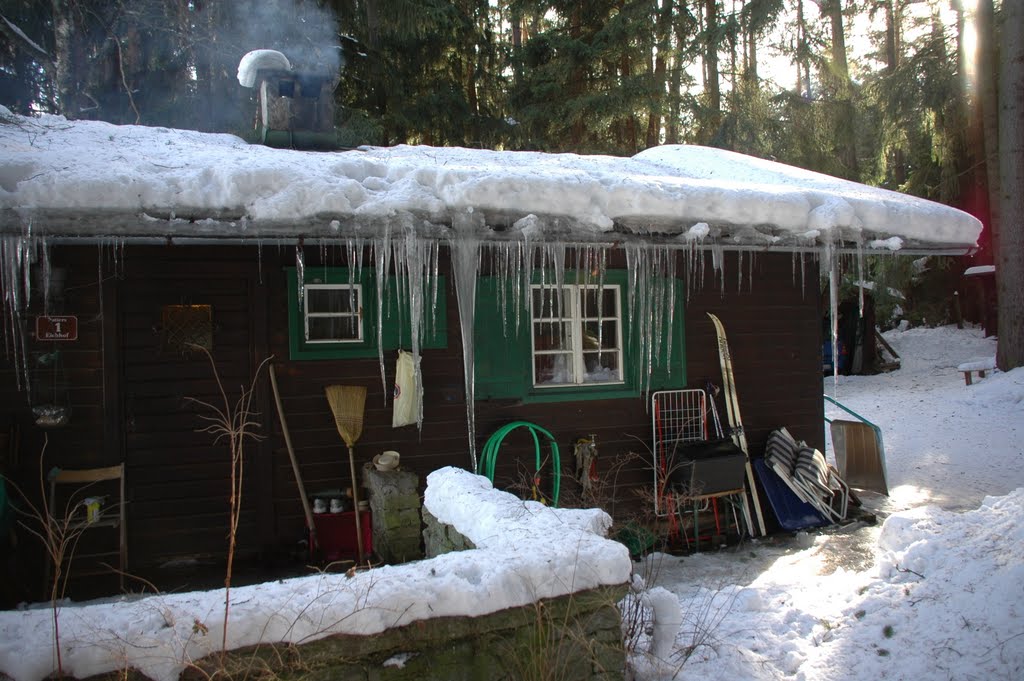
{"points": [[75, 487]]}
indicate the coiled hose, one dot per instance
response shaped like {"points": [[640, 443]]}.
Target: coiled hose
{"points": [[490, 454]]}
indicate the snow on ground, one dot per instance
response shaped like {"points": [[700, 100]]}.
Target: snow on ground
{"points": [[934, 592], [525, 551]]}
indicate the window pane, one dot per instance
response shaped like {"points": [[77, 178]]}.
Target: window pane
{"points": [[553, 369], [546, 303], [609, 337], [601, 367], [331, 299], [333, 328], [552, 336], [590, 303]]}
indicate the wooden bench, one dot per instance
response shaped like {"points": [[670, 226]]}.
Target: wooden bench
{"points": [[979, 367]]}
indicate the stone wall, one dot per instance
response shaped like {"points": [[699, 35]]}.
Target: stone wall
{"points": [[439, 538], [570, 638], [395, 506], [577, 637]]}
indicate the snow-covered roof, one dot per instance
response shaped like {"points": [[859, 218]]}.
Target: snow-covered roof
{"points": [[80, 178]]}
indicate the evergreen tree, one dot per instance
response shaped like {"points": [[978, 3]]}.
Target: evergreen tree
{"points": [[26, 57]]}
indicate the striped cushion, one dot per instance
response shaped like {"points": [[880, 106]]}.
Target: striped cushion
{"points": [[811, 469], [781, 449]]}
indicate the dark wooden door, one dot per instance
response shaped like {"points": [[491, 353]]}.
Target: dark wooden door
{"points": [[178, 476]]}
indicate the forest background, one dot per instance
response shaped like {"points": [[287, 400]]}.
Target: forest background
{"points": [[919, 96]]}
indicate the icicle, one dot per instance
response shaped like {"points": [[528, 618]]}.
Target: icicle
{"points": [[832, 262], [99, 276], [47, 273], [739, 271], [670, 278], [601, 263], [382, 263], [300, 272], [12, 282], [259, 260], [465, 250], [860, 276], [750, 274], [415, 271], [718, 262], [803, 273], [434, 262]]}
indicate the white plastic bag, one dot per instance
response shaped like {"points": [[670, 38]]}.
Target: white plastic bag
{"points": [[408, 392]]}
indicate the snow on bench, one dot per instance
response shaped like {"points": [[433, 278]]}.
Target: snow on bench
{"points": [[978, 366]]}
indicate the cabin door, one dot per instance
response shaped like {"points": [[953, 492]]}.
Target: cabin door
{"points": [[178, 476]]}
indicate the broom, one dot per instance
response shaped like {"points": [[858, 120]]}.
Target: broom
{"points": [[347, 403]]}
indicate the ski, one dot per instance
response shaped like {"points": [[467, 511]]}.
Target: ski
{"points": [[732, 411]]}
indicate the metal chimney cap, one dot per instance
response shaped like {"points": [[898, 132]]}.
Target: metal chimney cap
{"points": [[261, 60]]}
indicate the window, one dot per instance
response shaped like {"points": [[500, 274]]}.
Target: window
{"points": [[183, 328], [574, 343], [333, 313], [577, 335]]}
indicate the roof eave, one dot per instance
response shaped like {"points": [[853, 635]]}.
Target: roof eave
{"points": [[234, 227]]}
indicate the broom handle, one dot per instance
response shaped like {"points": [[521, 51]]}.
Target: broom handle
{"points": [[355, 502], [295, 463]]}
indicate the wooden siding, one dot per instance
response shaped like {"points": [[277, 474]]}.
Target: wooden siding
{"points": [[128, 401]]}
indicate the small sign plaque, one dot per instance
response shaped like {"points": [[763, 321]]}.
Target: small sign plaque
{"points": [[57, 328]]}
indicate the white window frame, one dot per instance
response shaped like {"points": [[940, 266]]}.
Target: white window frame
{"points": [[349, 289], [571, 303]]}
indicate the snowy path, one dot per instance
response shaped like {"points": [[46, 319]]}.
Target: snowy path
{"points": [[936, 592], [946, 443]]}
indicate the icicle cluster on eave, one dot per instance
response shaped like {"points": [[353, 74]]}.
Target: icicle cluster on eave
{"points": [[236, 228]]}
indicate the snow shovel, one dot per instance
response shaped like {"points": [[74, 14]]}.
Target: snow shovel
{"points": [[313, 541], [347, 402], [859, 452]]}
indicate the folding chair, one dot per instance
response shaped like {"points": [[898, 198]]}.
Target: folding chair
{"points": [[74, 488], [804, 470]]}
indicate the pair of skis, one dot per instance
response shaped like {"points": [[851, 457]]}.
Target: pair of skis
{"points": [[732, 410]]}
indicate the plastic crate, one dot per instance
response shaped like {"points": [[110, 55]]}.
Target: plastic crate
{"points": [[336, 536]]}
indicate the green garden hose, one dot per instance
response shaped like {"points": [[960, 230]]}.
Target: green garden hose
{"points": [[490, 454]]}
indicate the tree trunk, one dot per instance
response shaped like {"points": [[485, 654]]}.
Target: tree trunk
{"points": [[893, 19], [845, 127], [64, 57], [803, 65], [750, 67], [664, 38], [1010, 256], [711, 85], [988, 76]]}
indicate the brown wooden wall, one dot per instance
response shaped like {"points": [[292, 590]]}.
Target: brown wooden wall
{"points": [[129, 400]]}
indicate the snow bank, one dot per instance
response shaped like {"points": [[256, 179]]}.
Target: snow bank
{"points": [[526, 551], [57, 169]]}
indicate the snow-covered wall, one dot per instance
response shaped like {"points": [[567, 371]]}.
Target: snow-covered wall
{"points": [[525, 552], [93, 178]]}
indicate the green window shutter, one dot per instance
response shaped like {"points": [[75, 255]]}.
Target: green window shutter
{"points": [[669, 370], [395, 333], [502, 358]]}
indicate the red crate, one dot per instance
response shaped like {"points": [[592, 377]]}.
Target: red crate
{"points": [[336, 535]]}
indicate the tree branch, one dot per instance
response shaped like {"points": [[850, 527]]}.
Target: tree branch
{"points": [[16, 35]]}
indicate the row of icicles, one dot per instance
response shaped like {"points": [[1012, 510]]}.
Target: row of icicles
{"points": [[516, 264]]}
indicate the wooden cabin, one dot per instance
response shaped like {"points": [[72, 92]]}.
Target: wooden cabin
{"points": [[151, 306]]}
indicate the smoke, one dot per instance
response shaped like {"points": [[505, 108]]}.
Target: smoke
{"points": [[305, 32]]}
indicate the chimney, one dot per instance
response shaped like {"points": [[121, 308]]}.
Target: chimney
{"points": [[295, 106]]}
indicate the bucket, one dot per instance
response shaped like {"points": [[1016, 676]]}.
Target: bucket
{"points": [[92, 509]]}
